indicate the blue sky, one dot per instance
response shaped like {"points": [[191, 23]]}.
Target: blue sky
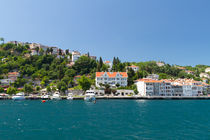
{"points": [[174, 31]]}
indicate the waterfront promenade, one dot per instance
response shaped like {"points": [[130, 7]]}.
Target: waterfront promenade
{"points": [[127, 97]]}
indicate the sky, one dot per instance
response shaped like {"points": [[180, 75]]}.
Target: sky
{"points": [[174, 31]]}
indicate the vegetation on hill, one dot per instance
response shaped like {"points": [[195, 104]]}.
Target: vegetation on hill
{"points": [[53, 72]]}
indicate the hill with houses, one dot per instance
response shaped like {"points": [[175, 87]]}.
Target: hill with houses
{"points": [[31, 67]]}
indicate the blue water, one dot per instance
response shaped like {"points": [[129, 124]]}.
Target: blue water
{"points": [[107, 119]]}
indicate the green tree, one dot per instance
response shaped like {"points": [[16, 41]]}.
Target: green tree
{"points": [[107, 89], [70, 73], [41, 52], [67, 52], [11, 90], [2, 39], [38, 88], [61, 86], [84, 65], [84, 82], [37, 50], [131, 76], [1, 89], [49, 89], [100, 65], [28, 88]]}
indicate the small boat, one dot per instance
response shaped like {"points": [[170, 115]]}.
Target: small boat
{"points": [[90, 96], [19, 96], [45, 97], [70, 96], [3, 96], [56, 96]]}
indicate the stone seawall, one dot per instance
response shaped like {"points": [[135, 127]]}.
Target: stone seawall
{"points": [[128, 98]]}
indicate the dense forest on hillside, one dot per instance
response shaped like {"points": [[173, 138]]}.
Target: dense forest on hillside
{"points": [[53, 69]]}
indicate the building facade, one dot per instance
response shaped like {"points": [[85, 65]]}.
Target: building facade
{"points": [[75, 56], [111, 78], [133, 67], [179, 87]]}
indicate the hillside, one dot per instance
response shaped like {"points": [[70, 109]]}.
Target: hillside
{"points": [[47, 70]]}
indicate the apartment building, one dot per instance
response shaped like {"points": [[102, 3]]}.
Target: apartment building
{"points": [[179, 87]]}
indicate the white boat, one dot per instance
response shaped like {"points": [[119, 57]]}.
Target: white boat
{"points": [[70, 96], [3, 96], [56, 96], [19, 96], [90, 96], [45, 97]]}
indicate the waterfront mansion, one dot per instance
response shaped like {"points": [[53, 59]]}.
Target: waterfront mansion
{"points": [[111, 78]]}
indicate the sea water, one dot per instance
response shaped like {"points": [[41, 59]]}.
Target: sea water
{"points": [[107, 119]]}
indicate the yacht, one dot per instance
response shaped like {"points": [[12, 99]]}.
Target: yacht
{"points": [[19, 96], [56, 96], [70, 96], [45, 97], [90, 96]]}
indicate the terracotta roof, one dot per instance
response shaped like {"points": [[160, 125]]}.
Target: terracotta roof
{"points": [[13, 73], [149, 80], [111, 74], [133, 66], [106, 62]]}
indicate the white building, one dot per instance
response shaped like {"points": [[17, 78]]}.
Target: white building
{"points": [[133, 67], [148, 87], [34, 52], [55, 50], [75, 55], [19, 43], [153, 76], [5, 82], [160, 64], [108, 63], [204, 75], [33, 46], [111, 78], [207, 70], [189, 72], [179, 87]]}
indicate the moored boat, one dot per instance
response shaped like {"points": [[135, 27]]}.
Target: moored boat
{"points": [[56, 96], [19, 96], [89, 96], [70, 96], [45, 97]]}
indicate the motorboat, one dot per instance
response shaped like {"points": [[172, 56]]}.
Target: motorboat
{"points": [[90, 96], [56, 96], [3, 96], [70, 96], [19, 96], [45, 97]]}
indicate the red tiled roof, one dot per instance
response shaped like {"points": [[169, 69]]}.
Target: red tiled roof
{"points": [[133, 66], [13, 73], [111, 74]]}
